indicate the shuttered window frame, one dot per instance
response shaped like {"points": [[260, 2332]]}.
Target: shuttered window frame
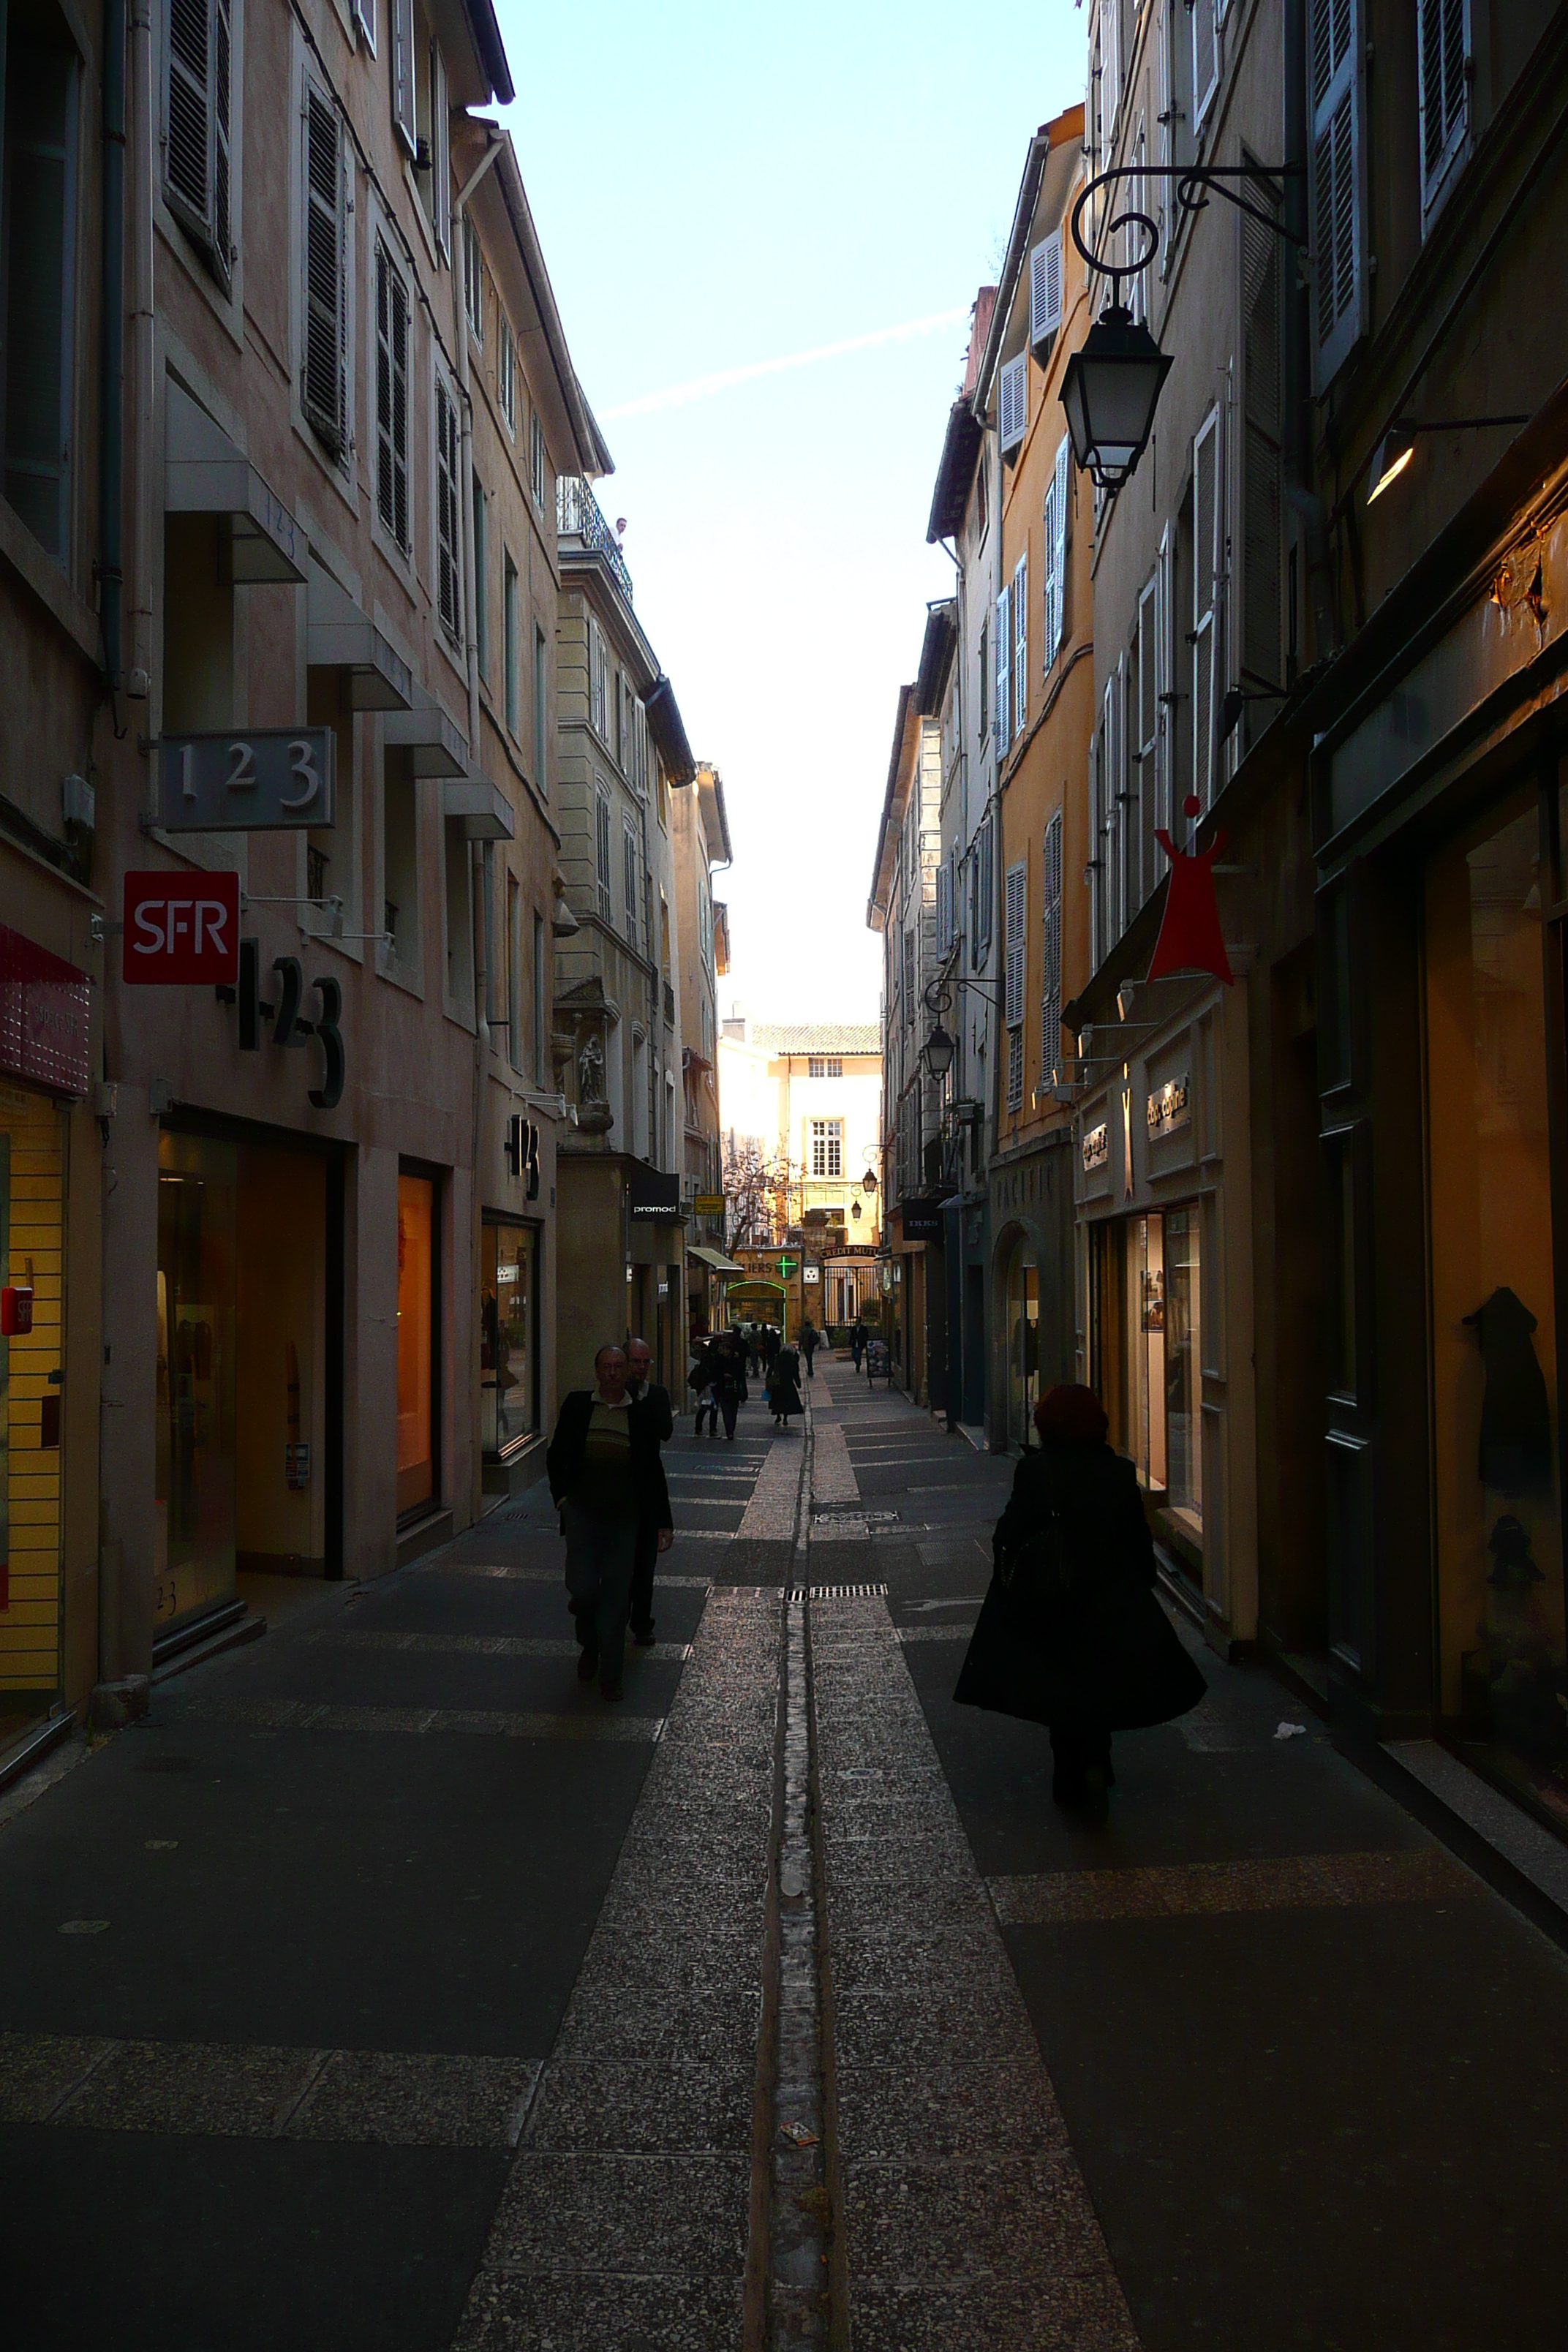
{"points": [[1015, 949], [1208, 547], [326, 264], [1444, 52], [393, 316], [400, 61], [1336, 197], [199, 132], [1044, 289], [1003, 659], [1058, 494], [1205, 22], [1051, 949], [440, 157], [1020, 645]]}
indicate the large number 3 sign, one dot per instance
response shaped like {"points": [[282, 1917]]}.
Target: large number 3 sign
{"points": [[288, 1023]]}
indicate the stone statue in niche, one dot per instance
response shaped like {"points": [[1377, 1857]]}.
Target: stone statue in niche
{"points": [[590, 1070]]}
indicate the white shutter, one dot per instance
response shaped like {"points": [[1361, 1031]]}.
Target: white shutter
{"points": [[221, 249], [1112, 54], [1045, 288], [392, 316], [1206, 57], [1004, 655], [1207, 499], [440, 157], [448, 560], [1051, 949], [1336, 197], [365, 18], [323, 388], [1164, 670], [403, 72], [1020, 645], [1013, 398], [1445, 58], [1014, 966], [1059, 489]]}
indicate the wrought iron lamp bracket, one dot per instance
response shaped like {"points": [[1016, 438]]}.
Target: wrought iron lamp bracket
{"points": [[1195, 184]]}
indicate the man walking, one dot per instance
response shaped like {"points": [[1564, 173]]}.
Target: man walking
{"points": [[729, 1369], [857, 1339], [646, 1390], [809, 1337], [605, 1474]]}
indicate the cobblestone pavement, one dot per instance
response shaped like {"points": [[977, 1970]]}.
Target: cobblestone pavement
{"points": [[390, 1989]]}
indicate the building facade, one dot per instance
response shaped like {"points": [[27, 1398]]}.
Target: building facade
{"points": [[701, 847], [802, 1106]]}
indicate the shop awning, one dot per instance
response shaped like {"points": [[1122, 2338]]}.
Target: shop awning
{"points": [[484, 808], [715, 1259], [436, 745], [338, 636], [204, 473]]}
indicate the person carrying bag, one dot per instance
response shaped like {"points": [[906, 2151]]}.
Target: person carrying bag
{"points": [[1071, 1634]]}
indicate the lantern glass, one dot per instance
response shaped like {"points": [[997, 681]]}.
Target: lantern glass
{"points": [[939, 1053], [1111, 390]]}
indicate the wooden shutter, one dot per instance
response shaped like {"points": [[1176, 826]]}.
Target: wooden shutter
{"points": [[448, 565], [1206, 543], [1111, 60], [1206, 57], [1045, 288], [1336, 196], [943, 910], [323, 384], [987, 880], [365, 18], [1015, 951], [403, 73], [1020, 645], [1164, 671], [391, 398], [1051, 950], [1003, 656], [1145, 689], [1445, 58], [1013, 401], [440, 157], [187, 137], [1262, 544], [1109, 811], [1059, 490], [221, 93]]}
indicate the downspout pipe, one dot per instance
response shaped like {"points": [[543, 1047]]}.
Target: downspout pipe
{"points": [[112, 353]]}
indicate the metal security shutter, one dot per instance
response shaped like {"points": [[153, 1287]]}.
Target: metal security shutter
{"points": [[403, 73], [1206, 56], [1445, 55], [1004, 655], [1020, 645], [1051, 950], [1013, 401], [1045, 288], [1207, 540], [1336, 192], [448, 571], [391, 398], [1262, 546], [324, 389]]}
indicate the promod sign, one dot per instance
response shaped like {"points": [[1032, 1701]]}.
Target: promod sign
{"points": [[182, 930]]}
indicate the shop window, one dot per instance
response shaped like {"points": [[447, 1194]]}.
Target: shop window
{"points": [[1147, 1356], [32, 1213], [1494, 1368], [415, 1343], [509, 1374], [1023, 1343], [37, 239], [193, 1482]]}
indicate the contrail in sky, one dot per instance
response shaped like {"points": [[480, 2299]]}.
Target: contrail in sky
{"points": [[702, 388]]}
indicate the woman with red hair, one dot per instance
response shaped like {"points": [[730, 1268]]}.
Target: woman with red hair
{"points": [[1071, 1634]]}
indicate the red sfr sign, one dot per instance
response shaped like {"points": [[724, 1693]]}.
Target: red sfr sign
{"points": [[182, 928]]}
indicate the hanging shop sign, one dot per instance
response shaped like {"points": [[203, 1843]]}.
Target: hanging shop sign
{"points": [[1169, 1108], [263, 780], [923, 1220], [522, 1151], [182, 929], [1096, 1147], [709, 1204], [45, 1016], [654, 1197], [284, 1017]]}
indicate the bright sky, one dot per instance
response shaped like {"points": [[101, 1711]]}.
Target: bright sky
{"points": [[717, 188]]}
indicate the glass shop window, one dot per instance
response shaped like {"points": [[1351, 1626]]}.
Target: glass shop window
{"points": [[1023, 1343], [509, 1355], [415, 1343], [1147, 1351], [1494, 1364]]}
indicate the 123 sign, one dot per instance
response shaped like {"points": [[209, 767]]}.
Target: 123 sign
{"points": [[182, 929], [265, 780]]}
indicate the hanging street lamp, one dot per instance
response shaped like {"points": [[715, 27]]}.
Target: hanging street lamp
{"points": [[938, 1052]]}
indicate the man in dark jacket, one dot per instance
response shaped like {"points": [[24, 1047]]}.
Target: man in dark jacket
{"points": [[1071, 1634], [605, 1474], [642, 1385], [728, 1373], [857, 1339], [810, 1339]]}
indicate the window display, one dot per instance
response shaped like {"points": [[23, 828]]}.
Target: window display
{"points": [[1147, 1310], [32, 1267], [193, 1515], [415, 1343], [508, 1305], [1023, 1342]]}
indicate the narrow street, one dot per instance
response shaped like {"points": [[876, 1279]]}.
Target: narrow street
{"points": [[387, 1988]]}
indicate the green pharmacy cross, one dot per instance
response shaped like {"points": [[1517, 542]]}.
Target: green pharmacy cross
{"points": [[788, 1264]]}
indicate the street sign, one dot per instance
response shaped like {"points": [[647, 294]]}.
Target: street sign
{"points": [[709, 1204], [258, 779], [182, 929]]}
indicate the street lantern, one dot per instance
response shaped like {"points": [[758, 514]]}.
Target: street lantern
{"points": [[939, 1052], [1109, 390], [868, 1181]]}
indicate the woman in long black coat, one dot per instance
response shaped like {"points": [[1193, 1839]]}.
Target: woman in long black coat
{"points": [[1071, 1634], [784, 1385]]}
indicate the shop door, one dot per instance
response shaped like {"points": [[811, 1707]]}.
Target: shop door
{"points": [[415, 1344], [32, 1368], [194, 1484]]}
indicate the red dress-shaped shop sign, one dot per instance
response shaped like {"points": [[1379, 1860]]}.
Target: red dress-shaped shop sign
{"points": [[1190, 937]]}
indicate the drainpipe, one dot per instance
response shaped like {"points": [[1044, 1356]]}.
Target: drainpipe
{"points": [[111, 356], [148, 502]]}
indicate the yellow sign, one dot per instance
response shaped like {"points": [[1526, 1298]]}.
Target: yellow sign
{"points": [[709, 1204]]}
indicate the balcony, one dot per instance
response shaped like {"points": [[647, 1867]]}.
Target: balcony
{"points": [[578, 515]]}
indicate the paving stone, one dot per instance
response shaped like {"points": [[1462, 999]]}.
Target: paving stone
{"points": [[416, 2099], [638, 2215], [158, 2086], [508, 2311], [905, 2115], [38, 2071], [638, 2106]]}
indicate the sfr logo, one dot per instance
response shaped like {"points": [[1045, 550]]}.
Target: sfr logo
{"points": [[181, 931]]}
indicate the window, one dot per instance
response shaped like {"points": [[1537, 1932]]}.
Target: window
{"points": [[506, 372], [1206, 56], [910, 974], [1015, 954], [1004, 691], [629, 867], [983, 871], [1445, 55], [391, 398], [1013, 401], [1143, 697], [473, 282], [596, 679], [1020, 608], [196, 120], [539, 999], [602, 852], [825, 1066], [1262, 545], [982, 698], [448, 557], [482, 602], [943, 910], [1336, 195], [365, 18], [1045, 288], [1051, 950], [540, 778], [827, 1147], [323, 382], [1059, 490], [402, 67], [39, 242], [1209, 544], [514, 972], [509, 625], [537, 468], [440, 159]]}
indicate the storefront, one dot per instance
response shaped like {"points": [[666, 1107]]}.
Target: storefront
{"points": [[509, 1338], [1035, 1341], [1163, 1276]]}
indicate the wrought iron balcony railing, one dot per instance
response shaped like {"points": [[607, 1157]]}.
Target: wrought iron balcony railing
{"points": [[578, 515]]}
